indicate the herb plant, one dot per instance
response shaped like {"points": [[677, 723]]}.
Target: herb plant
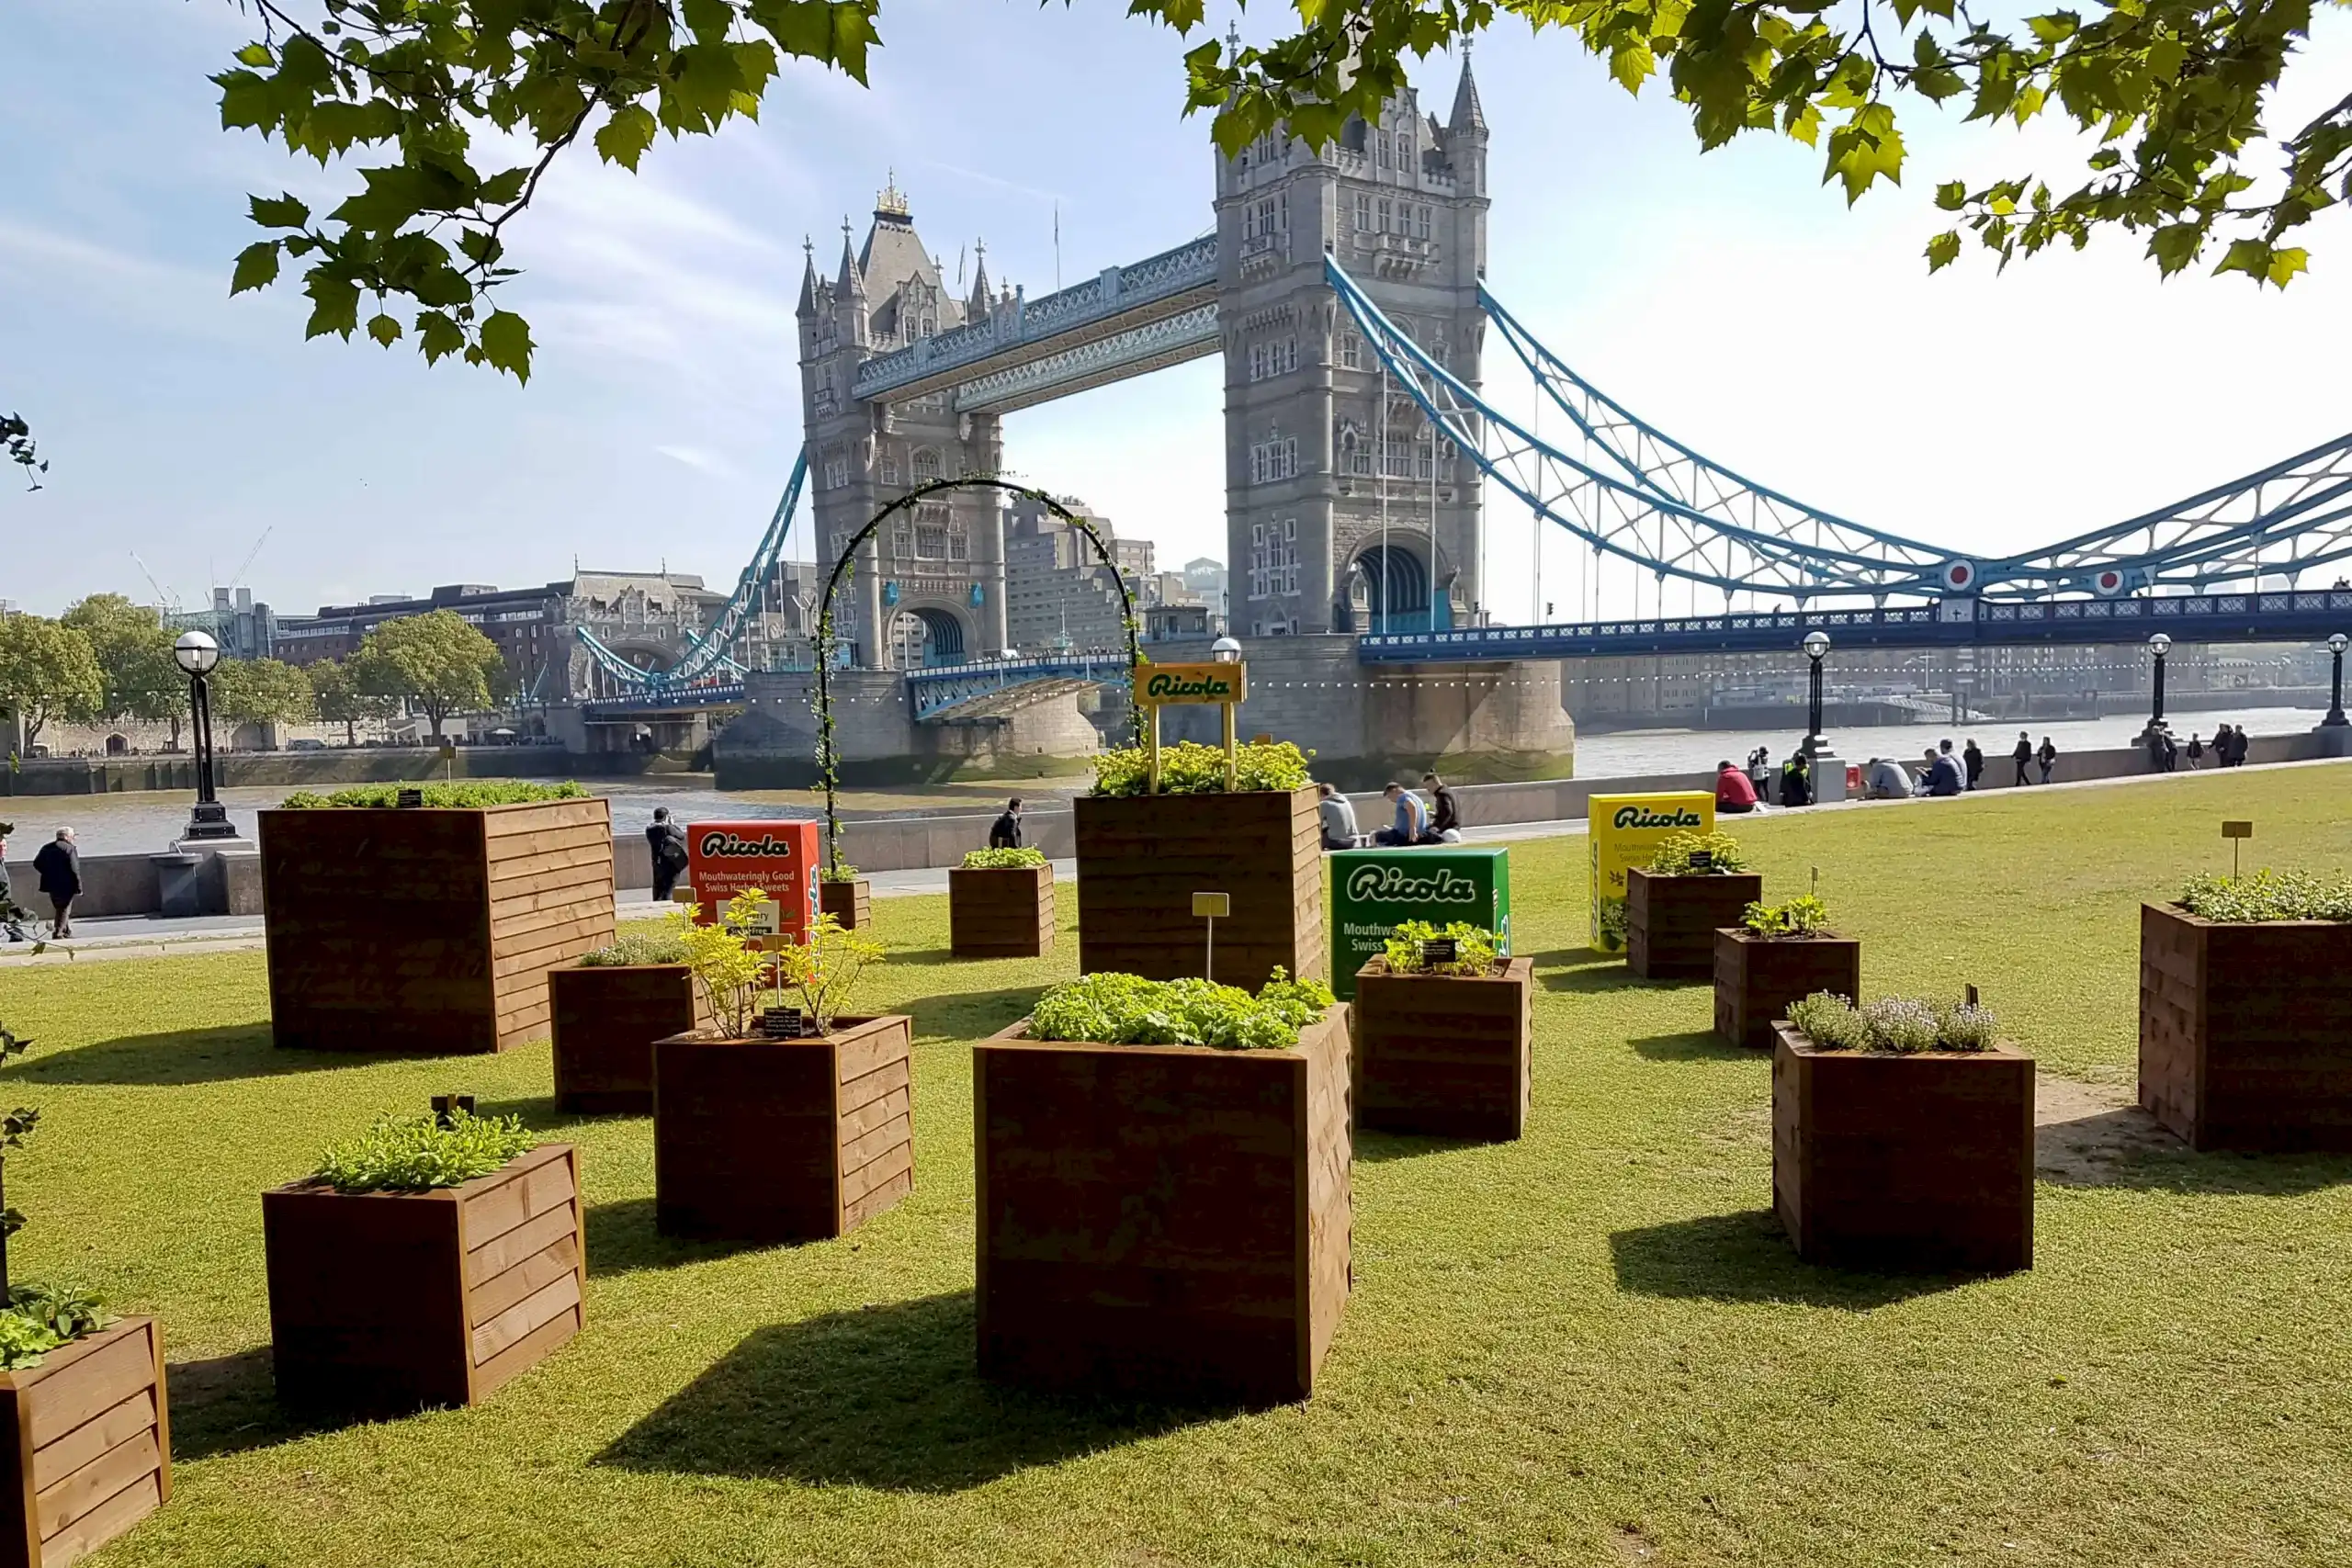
{"points": [[1674, 852], [1473, 948], [467, 793], [416, 1154], [838, 871], [725, 964], [824, 970], [1898, 1025], [1803, 916], [2269, 895], [1189, 768], [1126, 1010], [1003, 859], [643, 943]]}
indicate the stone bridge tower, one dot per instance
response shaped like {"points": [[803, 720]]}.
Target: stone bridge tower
{"points": [[1313, 460], [929, 587]]}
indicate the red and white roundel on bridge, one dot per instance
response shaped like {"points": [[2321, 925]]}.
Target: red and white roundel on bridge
{"points": [[2108, 581], [1959, 576]]}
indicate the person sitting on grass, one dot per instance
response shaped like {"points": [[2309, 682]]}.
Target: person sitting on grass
{"points": [[1339, 814], [1734, 792], [1412, 818]]}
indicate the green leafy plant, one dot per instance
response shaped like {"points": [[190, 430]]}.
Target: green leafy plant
{"points": [[823, 970], [1803, 916], [25, 1341], [465, 794], [2267, 896], [69, 1312], [416, 1154], [1003, 859], [647, 941], [838, 871], [1189, 768], [1675, 850], [725, 964], [1473, 948], [1896, 1025], [1126, 1010]]}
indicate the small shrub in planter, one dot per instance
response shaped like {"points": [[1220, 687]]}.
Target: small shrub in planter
{"points": [[425, 1262], [84, 1423], [1163, 1201], [793, 1125], [1695, 885], [1901, 1137], [2244, 988], [606, 1012], [846, 896], [1001, 904], [1141, 857], [1778, 955], [1442, 1047]]}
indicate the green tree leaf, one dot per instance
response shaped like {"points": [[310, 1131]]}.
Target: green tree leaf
{"points": [[256, 266], [506, 344], [384, 329], [626, 136]]}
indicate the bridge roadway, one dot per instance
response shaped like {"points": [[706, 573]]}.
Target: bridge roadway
{"points": [[2291, 617]]}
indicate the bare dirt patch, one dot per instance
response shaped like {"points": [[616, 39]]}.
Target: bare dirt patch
{"points": [[2087, 1134]]}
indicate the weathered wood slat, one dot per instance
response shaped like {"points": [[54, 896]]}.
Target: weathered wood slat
{"points": [[495, 1294], [1670, 922], [1445, 1055], [1140, 860], [899, 1160], [104, 1523], [604, 1021], [559, 1296], [86, 1438], [107, 1431], [1757, 978], [851, 903], [1001, 911], [534, 1183], [525, 1241], [81, 1493], [523, 1354]]}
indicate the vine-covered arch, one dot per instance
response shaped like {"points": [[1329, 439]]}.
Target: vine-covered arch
{"points": [[827, 766]]}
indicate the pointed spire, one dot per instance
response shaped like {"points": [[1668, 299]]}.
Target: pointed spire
{"points": [[851, 284], [1468, 113], [808, 278], [977, 307]]}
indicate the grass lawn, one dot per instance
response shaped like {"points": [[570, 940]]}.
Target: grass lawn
{"points": [[1592, 1347]]}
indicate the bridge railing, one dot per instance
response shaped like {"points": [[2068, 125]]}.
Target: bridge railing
{"points": [[935, 688]]}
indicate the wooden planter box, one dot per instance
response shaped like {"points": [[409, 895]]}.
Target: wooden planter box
{"points": [[385, 1303], [782, 1140], [605, 1021], [1162, 1219], [851, 903], [2245, 1030], [429, 929], [1670, 922], [1001, 911], [1444, 1055], [1757, 979], [1141, 858], [89, 1439], [1904, 1162]]}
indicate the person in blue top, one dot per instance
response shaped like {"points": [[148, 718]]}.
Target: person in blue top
{"points": [[1412, 818]]}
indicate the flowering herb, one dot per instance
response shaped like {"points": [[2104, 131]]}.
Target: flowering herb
{"points": [[1675, 851], [1407, 949], [1897, 1025], [2269, 895]]}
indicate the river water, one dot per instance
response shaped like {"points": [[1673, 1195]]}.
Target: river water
{"points": [[130, 824]]}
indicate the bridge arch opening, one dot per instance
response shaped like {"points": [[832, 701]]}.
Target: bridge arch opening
{"points": [[923, 635], [1396, 586]]}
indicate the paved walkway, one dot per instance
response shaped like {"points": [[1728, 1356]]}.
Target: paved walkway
{"points": [[144, 936]]}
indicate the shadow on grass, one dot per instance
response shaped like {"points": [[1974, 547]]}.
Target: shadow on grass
{"points": [[189, 1055], [889, 1396], [1746, 1258], [2127, 1147], [228, 1404], [969, 1015], [1698, 1045], [622, 1239], [1585, 969], [1378, 1148]]}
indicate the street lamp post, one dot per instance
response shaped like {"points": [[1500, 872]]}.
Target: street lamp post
{"points": [[1815, 646], [198, 654], [2158, 645], [2335, 719]]}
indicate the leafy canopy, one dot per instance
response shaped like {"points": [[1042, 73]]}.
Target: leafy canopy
{"points": [[134, 653], [336, 697], [419, 99], [47, 671], [438, 663], [259, 691]]}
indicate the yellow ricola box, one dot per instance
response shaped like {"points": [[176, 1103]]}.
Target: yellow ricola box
{"points": [[1625, 833]]}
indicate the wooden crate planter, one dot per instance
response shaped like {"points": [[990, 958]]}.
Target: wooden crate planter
{"points": [[605, 1020], [1904, 1162], [1443, 1054], [1162, 1220], [429, 929], [2245, 1030], [89, 1438], [782, 1140], [1670, 922], [385, 1303], [850, 903], [1001, 911], [1757, 979], [1141, 858]]}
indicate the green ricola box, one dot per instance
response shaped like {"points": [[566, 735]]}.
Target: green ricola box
{"points": [[1374, 891]]}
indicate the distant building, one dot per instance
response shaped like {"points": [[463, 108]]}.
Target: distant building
{"points": [[1058, 591], [1207, 579], [242, 627]]}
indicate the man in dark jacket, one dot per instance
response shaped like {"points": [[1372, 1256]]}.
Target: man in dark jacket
{"points": [[1972, 756], [2023, 756], [1444, 817], [1796, 781], [59, 866], [11, 915], [1006, 832], [668, 841]]}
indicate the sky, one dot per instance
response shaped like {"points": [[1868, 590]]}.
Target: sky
{"points": [[1727, 297]]}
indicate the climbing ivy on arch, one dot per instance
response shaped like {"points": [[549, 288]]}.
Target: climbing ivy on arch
{"points": [[828, 760]]}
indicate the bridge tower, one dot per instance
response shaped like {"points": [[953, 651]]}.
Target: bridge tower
{"points": [[1314, 463], [929, 587]]}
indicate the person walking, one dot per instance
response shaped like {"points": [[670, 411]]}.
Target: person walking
{"points": [[1339, 814], [1412, 818], [2196, 753], [1734, 794], [1972, 758], [1004, 833], [2047, 757], [2237, 745], [1444, 818], [668, 842], [2171, 753], [11, 917], [2023, 755], [59, 866]]}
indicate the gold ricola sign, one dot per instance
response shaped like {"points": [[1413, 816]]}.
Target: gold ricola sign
{"points": [[1156, 685]]}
